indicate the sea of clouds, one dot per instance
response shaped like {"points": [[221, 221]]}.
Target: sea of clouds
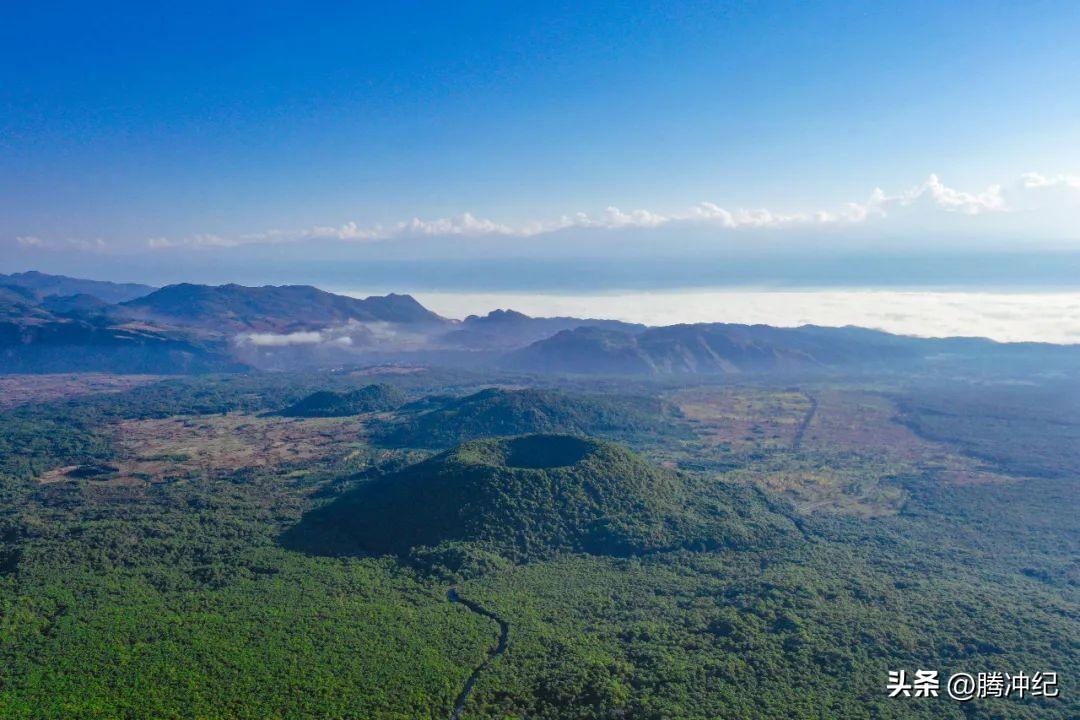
{"points": [[1004, 316]]}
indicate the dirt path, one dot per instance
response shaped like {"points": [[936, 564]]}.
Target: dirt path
{"points": [[796, 442], [499, 649]]}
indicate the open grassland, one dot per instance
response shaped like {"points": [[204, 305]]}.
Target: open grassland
{"points": [[825, 449], [18, 390], [732, 420], [157, 450]]}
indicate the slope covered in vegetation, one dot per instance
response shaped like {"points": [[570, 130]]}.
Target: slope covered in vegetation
{"points": [[530, 496], [327, 403], [494, 412]]}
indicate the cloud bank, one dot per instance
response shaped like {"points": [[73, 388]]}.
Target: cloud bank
{"points": [[1002, 316], [929, 198], [37, 243], [1045, 204]]}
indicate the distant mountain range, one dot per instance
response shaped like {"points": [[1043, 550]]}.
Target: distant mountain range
{"points": [[58, 324], [286, 308], [507, 329], [707, 349], [49, 285]]}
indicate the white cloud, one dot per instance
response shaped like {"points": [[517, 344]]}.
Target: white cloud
{"points": [[929, 197], [1033, 195], [199, 241], [281, 340], [96, 245], [33, 241], [352, 334], [938, 195], [464, 224], [1005, 316], [711, 213], [613, 217], [348, 231], [1033, 180]]}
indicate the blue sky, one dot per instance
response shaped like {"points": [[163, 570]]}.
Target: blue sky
{"points": [[588, 128]]}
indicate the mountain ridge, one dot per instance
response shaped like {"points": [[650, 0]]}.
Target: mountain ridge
{"points": [[270, 308], [293, 326], [727, 348], [508, 329], [45, 285]]}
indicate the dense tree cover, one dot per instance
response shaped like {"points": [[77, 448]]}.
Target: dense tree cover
{"points": [[173, 600], [32, 441], [1027, 430], [530, 496], [327, 403], [496, 411], [810, 634], [176, 597], [309, 639]]}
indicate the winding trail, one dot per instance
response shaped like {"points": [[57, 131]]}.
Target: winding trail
{"points": [[796, 442], [499, 649]]}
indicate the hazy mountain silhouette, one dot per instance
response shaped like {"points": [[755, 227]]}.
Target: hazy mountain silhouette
{"points": [[508, 329], [270, 308], [44, 285], [190, 327], [710, 349]]}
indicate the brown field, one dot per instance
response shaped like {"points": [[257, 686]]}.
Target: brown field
{"points": [[740, 419], [176, 447], [21, 389], [866, 423], [847, 458]]}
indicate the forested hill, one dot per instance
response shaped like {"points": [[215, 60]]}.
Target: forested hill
{"points": [[500, 411], [530, 496], [327, 403]]}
